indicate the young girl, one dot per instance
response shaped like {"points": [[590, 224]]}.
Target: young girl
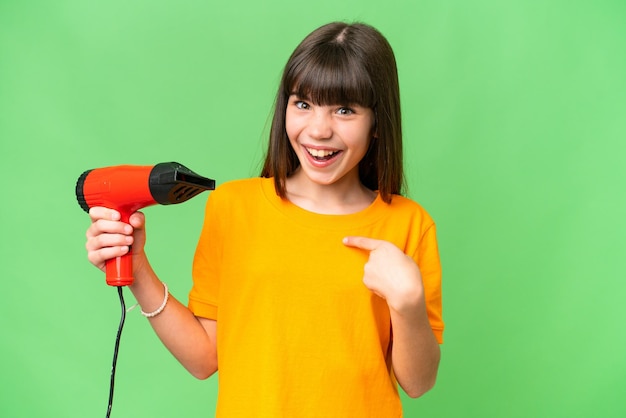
{"points": [[317, 283]]}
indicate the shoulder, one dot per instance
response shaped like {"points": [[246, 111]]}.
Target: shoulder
{"points": [[241, 194], [240, 204], [409, 219], [404, 206], [420, 239], [234, 190], [238, 186]]}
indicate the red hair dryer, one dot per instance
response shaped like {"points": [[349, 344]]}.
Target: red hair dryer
{"points": [[128, 188]]}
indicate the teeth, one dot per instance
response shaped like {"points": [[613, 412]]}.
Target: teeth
{"points": [[320, 153]]}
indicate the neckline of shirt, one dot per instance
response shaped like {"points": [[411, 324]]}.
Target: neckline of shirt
{"points": [[367, 216]]}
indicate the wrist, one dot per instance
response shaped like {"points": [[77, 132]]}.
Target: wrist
{"points": [[151, 293], [410, 304], [145, 279], [142, 270], [408, 295], [161, 307]]}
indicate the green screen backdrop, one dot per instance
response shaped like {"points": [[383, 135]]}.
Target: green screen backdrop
{"points": [[515, 124]]}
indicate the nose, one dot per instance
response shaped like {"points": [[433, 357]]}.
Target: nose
{"points": [[320, 126]]}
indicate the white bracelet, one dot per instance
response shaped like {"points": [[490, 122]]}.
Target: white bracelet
{"points": [[160, 308]]}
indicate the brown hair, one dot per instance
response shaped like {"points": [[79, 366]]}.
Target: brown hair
{"points": [[342, 63]]}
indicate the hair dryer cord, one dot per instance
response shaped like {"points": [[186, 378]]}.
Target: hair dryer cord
{"points": [[117, 347]]}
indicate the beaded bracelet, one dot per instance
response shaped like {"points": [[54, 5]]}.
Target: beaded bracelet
{"points": [[160, 308]]}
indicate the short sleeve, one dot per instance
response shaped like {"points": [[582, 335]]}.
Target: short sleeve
{"points": [[204, 295], [427, 258]]}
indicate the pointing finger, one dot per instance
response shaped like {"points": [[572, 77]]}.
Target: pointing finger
{"points": [[363, 243]]}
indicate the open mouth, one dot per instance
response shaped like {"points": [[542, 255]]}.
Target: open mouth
{"points": [[322, 155]]}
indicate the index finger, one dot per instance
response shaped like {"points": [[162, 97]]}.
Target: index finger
{"points": [[99, 212], [363, 243]]}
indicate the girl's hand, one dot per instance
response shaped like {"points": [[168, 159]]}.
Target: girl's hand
{"points": [[390, 273], [108, 237]]}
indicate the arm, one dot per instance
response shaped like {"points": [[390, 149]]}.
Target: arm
{"points": [[395, 277], [415, 352], [190, 339]]}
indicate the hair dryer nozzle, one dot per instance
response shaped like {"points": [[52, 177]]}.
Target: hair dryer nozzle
{"points": [[172, 183]]}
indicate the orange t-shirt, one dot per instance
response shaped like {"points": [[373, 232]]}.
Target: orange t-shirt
{"points": [[299, 334]]}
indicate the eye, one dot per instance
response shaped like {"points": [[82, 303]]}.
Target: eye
{"points": [[346, 111], [300, 104]]}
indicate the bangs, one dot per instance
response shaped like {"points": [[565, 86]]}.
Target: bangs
{"points": [[330, 75]]}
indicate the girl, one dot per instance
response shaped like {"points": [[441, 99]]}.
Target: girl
{"points": [[317, 283]]}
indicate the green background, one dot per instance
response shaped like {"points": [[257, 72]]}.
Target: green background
{"points": [[515, 123]]}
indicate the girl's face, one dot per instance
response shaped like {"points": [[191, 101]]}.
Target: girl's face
{"points": [[329, 141]]}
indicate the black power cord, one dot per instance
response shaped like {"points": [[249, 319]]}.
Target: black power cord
{"points": [[115, 352]]}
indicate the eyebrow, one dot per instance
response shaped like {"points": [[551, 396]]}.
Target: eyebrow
{"points": [[299, 96]]}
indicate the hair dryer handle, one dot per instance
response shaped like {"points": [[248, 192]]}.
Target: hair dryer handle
{"points": [[119, 270]]}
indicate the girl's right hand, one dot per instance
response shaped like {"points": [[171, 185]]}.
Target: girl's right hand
{"points": [[108, 237]]}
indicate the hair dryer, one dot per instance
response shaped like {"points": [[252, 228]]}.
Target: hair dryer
{"points": [[128, 188]]}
